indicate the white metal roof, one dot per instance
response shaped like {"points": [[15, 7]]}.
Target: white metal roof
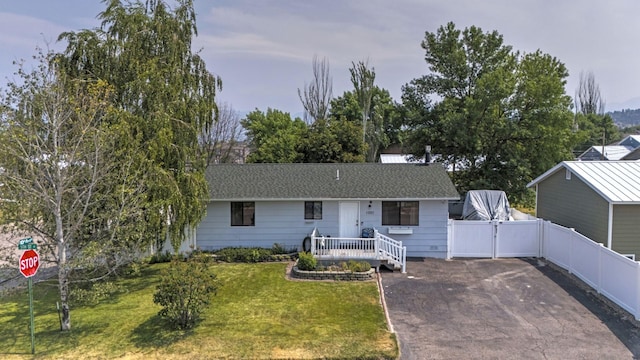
{"points": [[630, 140], [398, 159], [617, 182], [611, 152]]}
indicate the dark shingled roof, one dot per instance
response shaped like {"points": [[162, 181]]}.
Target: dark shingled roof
{"points": [[319, 181]]}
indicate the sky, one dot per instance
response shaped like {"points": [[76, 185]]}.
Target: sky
{"points": [[263, 50]]}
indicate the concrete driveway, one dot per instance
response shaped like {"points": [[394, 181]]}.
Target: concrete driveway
{"points": [[502, 309]]}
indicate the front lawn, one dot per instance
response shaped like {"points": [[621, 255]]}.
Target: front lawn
{"points": [[257, 313]]}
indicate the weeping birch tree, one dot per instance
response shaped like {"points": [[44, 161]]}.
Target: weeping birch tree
{"points": [[107, 138], [143, 50]]}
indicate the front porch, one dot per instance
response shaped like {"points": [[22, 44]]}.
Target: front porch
{"points": [[378, 249]]}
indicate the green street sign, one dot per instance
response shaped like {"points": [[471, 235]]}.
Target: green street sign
{"points": [[27, 244]]}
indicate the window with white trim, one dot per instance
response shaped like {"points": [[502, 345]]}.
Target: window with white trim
{"points": [[400, 213]]}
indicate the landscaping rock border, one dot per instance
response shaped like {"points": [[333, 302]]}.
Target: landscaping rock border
{"points": [[333, 275]]}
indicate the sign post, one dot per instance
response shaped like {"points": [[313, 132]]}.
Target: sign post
{"points": [[29, 264]]}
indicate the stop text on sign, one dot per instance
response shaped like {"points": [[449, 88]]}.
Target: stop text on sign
{"points": [[29, 263]]}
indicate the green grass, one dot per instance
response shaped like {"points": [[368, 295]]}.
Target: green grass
{"points": [[257, 313]]}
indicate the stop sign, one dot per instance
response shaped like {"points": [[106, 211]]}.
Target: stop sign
{"points": [[29, 263]]}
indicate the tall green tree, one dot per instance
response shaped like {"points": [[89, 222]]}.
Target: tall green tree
{"points": [[593, 126], [382, 118], [273, 136], [594, 130], [66, 179], [362, 79], [333, 141], [497, 117], [143, 51], [316, 96]]}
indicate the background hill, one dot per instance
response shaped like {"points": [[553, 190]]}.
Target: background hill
{"points": [[625, 118]]}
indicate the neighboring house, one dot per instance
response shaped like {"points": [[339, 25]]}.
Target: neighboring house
{"points": [[600, 199], [235, 152], [399, 159], [630, 140], [621, 150], [607, 152], [262, 204], [633, 155]]}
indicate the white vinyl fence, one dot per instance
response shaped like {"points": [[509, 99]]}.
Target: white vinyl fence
{"points": [[614, 275], [494, 239]]}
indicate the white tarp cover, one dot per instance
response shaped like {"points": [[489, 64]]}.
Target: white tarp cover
{"points": [[486, 205]]}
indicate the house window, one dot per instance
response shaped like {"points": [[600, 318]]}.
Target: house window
{"points": [[313, 210], [404, 213], [243, 214]]}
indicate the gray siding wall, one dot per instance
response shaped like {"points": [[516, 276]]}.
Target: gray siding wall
{"points": [[592, 154], [283, 222], [574, 204], [626, 229]]}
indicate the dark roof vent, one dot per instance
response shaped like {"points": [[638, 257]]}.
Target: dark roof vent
{"points": [[427, 155]]}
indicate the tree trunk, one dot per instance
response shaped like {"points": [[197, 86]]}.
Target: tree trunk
{"points": [[63, 275], [63, 285]]}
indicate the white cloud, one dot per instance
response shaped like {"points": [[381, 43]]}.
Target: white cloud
{"points": [[263, 49]]}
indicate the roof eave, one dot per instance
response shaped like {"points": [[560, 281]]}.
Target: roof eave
{"points": [[546, 174], [446, 198]]}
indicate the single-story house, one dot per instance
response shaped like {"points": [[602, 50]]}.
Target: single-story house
{"points": [[262, 204], [599, 199]]}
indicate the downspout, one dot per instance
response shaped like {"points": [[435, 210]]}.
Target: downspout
{"points": [[536, 200], [610, 228]]}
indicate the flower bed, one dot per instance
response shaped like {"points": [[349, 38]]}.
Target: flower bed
{"points": [[338, 275]]}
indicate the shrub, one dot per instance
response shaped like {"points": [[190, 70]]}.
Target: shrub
{"points": [[254, 254], [306, 261], [250, 255], [93, 293], [185, 290], [278, 249], [358, 266], [161, 258]]}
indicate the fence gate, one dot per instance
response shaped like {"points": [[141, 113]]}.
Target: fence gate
{"points": [[494, 239]]}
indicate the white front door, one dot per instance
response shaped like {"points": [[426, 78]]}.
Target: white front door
{"points": [[349, 219]]}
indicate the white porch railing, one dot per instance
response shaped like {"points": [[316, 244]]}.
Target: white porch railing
{"points": [[379, 247], [392, 250]]}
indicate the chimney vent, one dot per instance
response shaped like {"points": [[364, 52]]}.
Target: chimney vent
{"points": [[427, 155]]}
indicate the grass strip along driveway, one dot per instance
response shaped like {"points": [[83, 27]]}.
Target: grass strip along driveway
{"points": [[257, 313]]}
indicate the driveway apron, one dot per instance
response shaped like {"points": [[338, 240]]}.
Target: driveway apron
{"points": [[502, 309]]}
